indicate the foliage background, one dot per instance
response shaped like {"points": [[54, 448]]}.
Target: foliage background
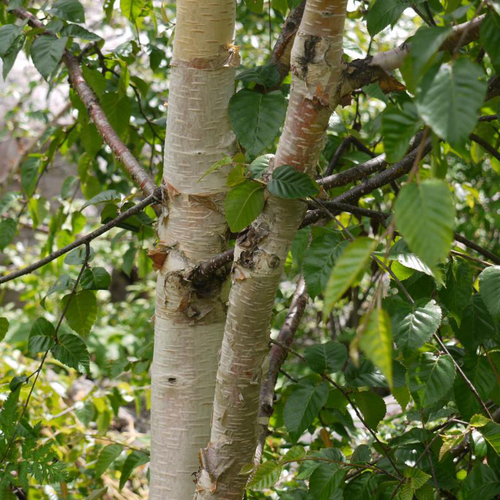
{"points": [[85, 435]]}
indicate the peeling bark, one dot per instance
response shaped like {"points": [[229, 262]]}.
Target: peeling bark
{"points": [[190, 316], [260, 255]]}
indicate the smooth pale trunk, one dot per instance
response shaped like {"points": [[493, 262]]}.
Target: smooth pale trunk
{"points": [[261, 254], [189, 319]]}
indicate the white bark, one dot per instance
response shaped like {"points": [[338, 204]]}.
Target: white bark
{"points": [[261, 253], [189, 319]]}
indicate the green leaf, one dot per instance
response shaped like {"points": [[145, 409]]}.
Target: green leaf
{"points": [[449, 100], [425, 216], [107, 456], [266, 476], [46, 52], [489, 288], [227, 160], [325, 480], [319, 259], [8, 34], [417, 477], [294, 453], [95, 279], [398, 127], [69, 10], [362, 487], [372, 406], [303, 406], [103, 197], [376, 341], [9, 58], [118, 109], [42, 336], [477, 325], [414, 325], [82, 311], [491, 433], [72, 351], [490, 38], [483, 483], [329, 357], [256, 118], [8, 229], [384, 13], [362, 454], [7, 201], [255, 5], [236, 176], [479, 420], [244, 203], [402, 396], [267, 75], [479, 372], [432, 376], [135, 9], [280, 5], [259, 166], [135, 459], [424, 44], [289, 183], [75, 31], [457, 293], [78, 256], [346, 269], [92, 142], [29, 174], [4, 327]]}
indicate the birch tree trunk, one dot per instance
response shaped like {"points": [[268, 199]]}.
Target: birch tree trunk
{"points": [[260, 255], [190, 317]]}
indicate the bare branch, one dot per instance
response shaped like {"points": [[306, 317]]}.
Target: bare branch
{"points": [[89, 99], [277, 356], [283, 47], [153, 198], [485, 145], [361, 72]]}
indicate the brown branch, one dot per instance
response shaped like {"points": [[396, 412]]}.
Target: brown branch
{"points": [[207, 268], [387, 176], [474, 246], [89, 99], [493, 88], [277, 356], [353, 174], [283, 47], [153, 198], [488, 118], [361, 72], [485, 145], [337, 155]]}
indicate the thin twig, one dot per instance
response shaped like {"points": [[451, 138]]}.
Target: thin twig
{"points": [[469, 384], [153, 198]]}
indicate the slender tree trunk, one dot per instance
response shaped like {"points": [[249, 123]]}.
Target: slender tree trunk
{"points": [[260, 255], [190, 317]]}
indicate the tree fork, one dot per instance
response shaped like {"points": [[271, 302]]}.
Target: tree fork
{"points": [[261, 252], [189, 317]]}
